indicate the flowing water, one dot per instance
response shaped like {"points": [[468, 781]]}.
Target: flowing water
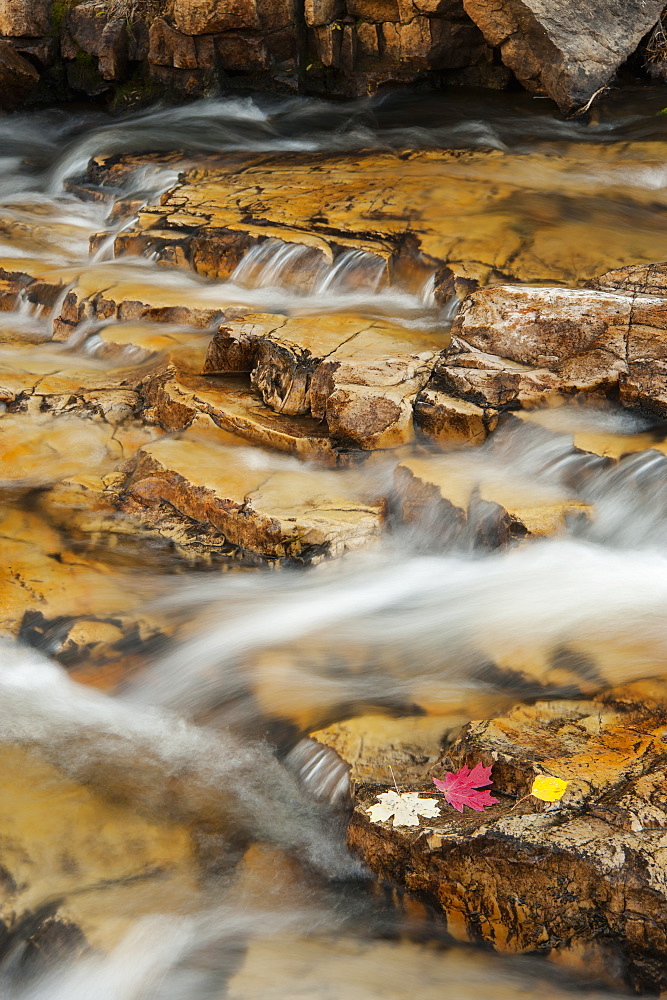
{"points": [[196, 857]]}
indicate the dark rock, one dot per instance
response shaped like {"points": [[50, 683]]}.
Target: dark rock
{"points": [[17, 77], [38, 50]]}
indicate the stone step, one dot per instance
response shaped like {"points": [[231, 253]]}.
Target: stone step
{"points": [[176, 401], [257, 502]]}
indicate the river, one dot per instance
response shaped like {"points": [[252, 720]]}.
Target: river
{"points": [[182, 853]]}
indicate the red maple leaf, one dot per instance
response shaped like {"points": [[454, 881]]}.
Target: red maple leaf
{"points": [[462, 788]]}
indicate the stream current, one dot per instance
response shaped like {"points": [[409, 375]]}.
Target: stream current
{"points": [[274, 906]]}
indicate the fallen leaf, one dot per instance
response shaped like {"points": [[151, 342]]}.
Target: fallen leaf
{"points": [[548, 789], [462, 788], [406, 808]]}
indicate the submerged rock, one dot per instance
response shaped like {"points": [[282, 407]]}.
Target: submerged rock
{"points": [[463, 502]]}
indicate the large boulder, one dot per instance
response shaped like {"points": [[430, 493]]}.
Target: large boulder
{"points": [[569, 49]]}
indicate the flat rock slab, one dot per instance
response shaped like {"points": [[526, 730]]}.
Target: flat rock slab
{"points": [[518, 346], [63, 841], [278, 511], [568, 50], [360, 377], [584, 879], [465, 209]]}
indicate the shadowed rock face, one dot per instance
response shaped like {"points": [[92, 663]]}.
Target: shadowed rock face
{"points": [[568, 50], [17, 77]]}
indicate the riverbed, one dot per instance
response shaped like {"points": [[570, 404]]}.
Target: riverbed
{"points": [[170, 646]]}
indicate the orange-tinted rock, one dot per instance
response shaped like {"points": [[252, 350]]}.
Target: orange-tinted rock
{"points": [[360, 377], [449, 419], [257, 507], [176, 401], [547, 878], [457, 206]]}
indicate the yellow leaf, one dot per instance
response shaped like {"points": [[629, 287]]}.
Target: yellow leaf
{"points": [[548, 789]]}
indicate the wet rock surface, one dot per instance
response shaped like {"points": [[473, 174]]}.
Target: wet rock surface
{"points": [[360, 378], [581, 879], [452, 213]]}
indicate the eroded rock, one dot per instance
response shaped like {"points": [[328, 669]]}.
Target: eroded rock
{"points": [[360, 377]]}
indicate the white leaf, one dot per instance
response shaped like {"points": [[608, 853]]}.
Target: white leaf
{"points": [[406, 808]]}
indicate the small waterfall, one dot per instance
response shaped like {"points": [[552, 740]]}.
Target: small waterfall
{"points": [[427, 294], [354, 270], [25, 307], [277, 264], [304, 270]]}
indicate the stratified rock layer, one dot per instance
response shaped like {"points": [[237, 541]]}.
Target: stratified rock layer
{"points": [[360, 377], [453, 212]]}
